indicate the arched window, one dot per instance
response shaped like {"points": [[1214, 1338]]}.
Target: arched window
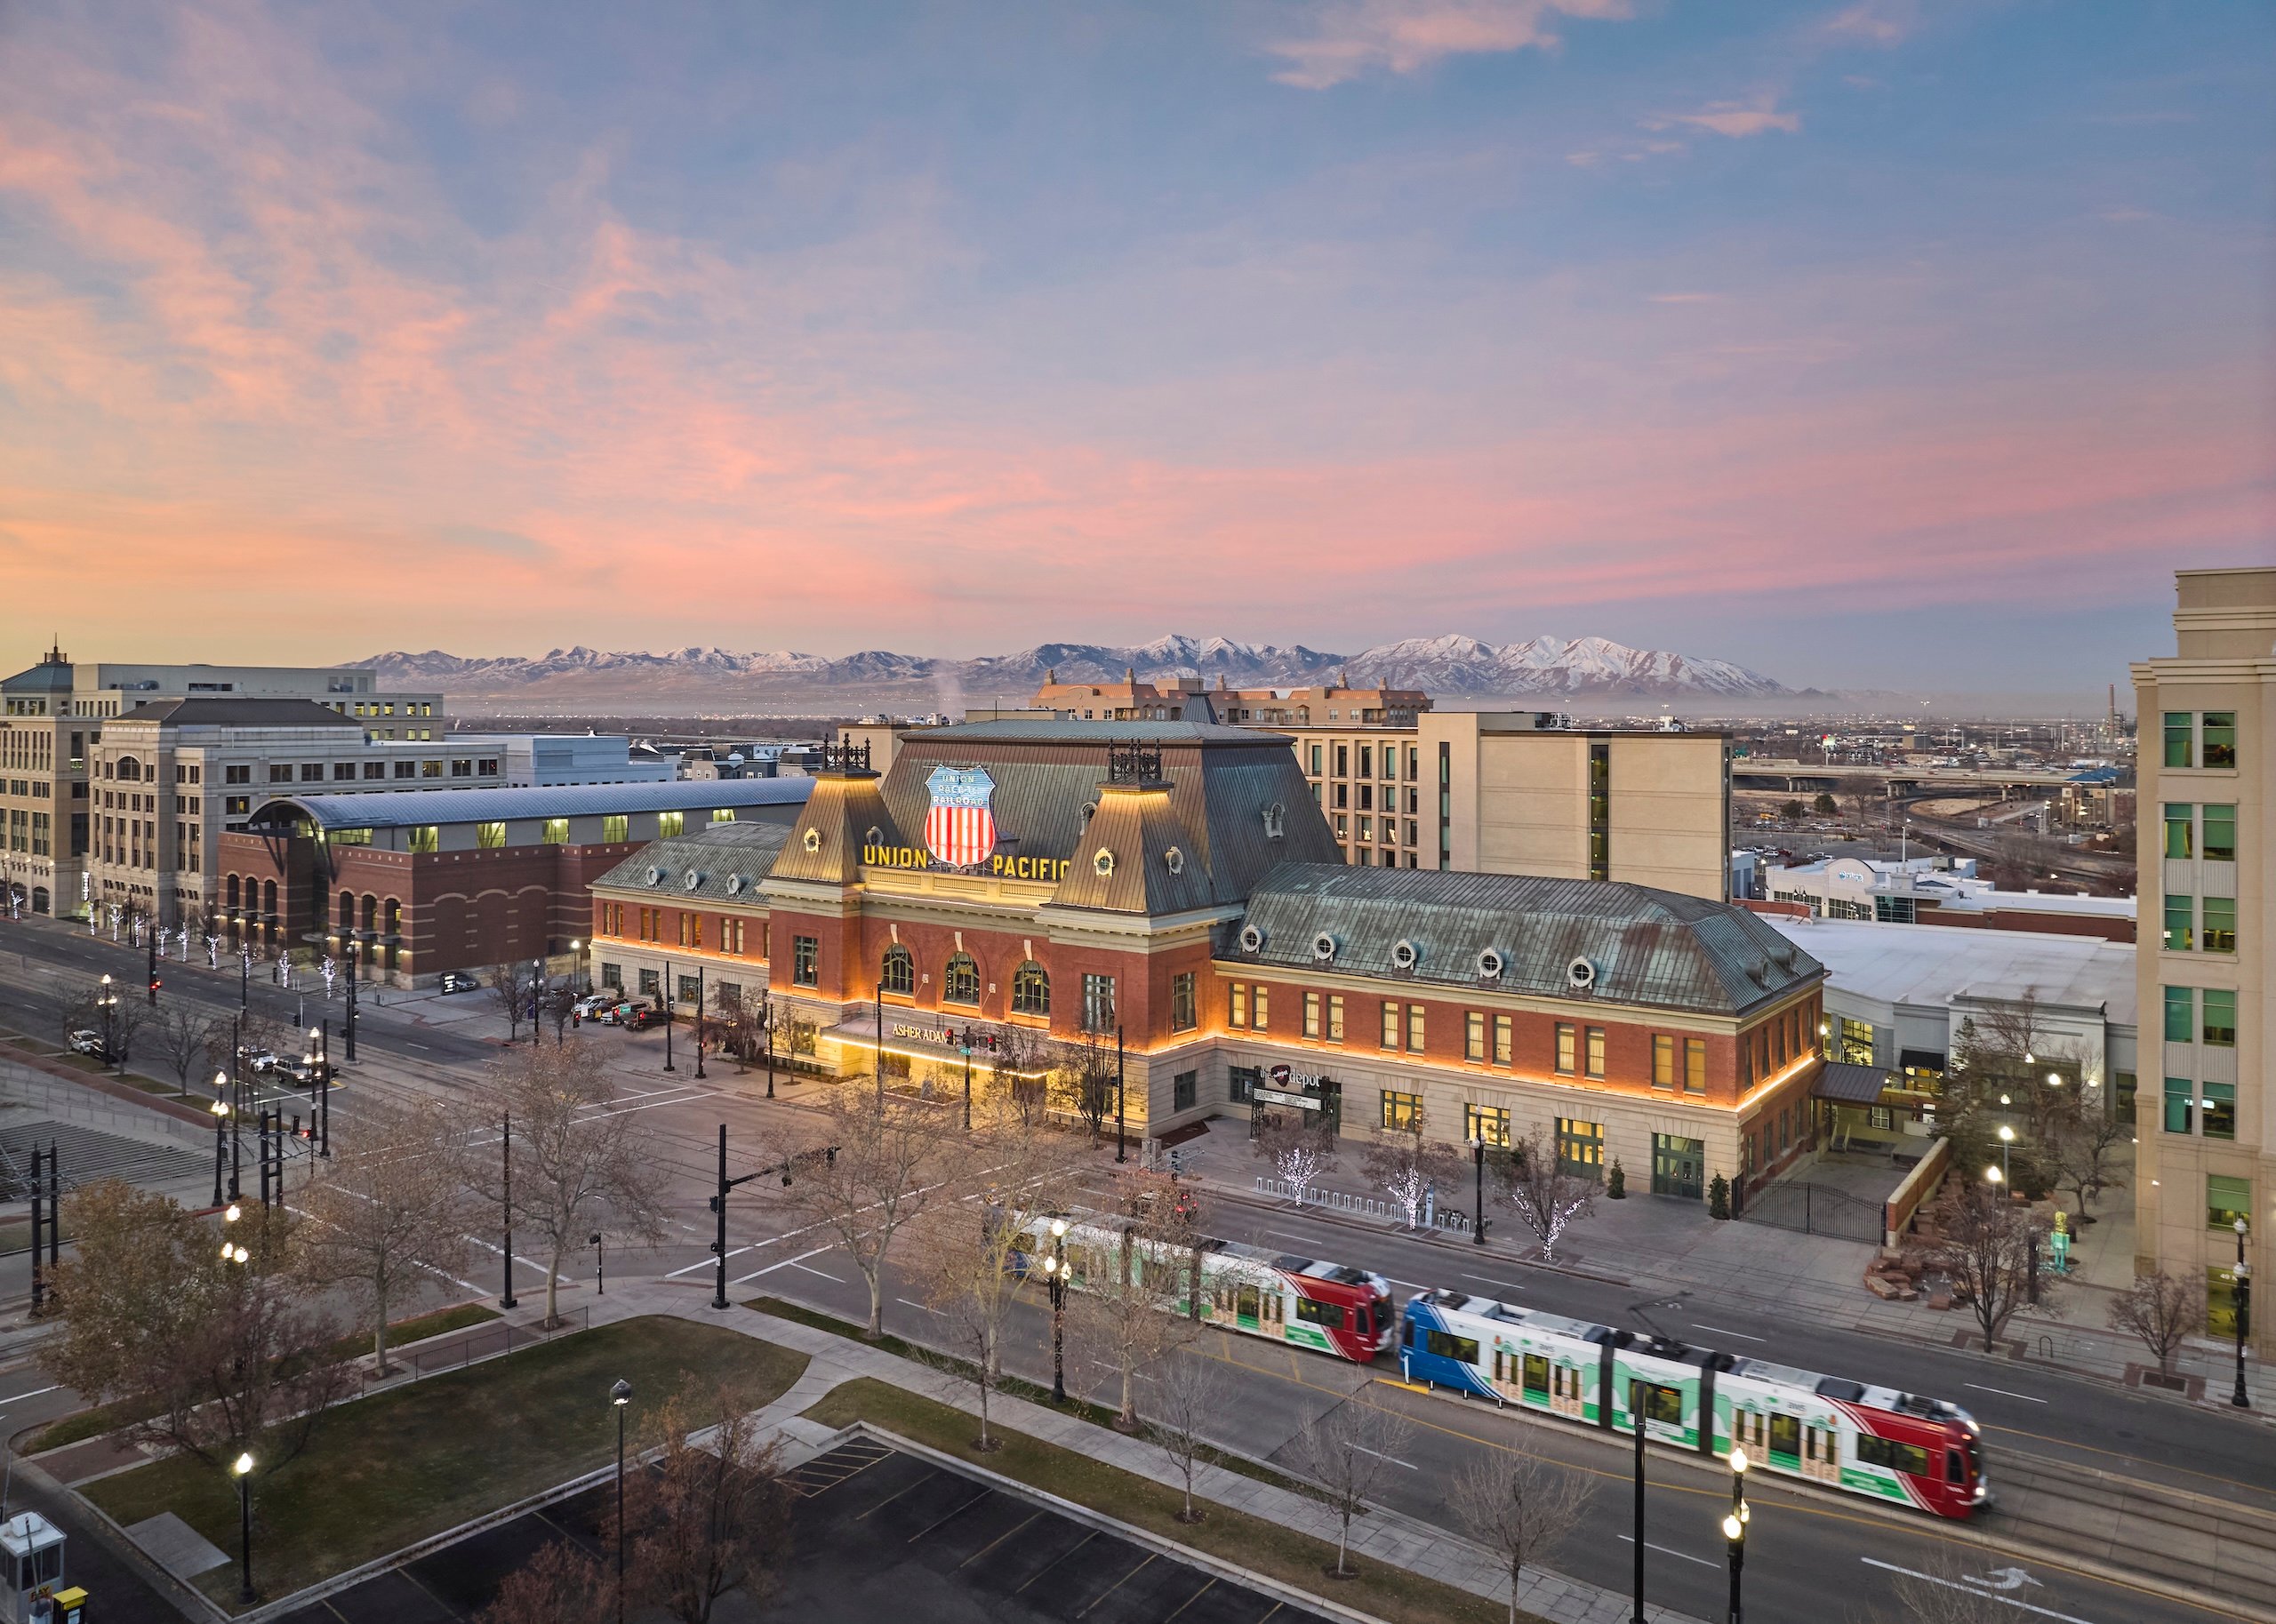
{"points": [[347, 910], [962, 980], [371, 912], [897, 974], [39, 899], [233, 891], [269, 896], [1030, 990]]}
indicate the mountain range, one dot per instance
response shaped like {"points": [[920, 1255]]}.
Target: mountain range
{"points": [[1450, 666]]}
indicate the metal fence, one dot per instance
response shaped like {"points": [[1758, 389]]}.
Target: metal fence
{"points": [[487, 1342], [1366, 1206], [1815, 1209]]}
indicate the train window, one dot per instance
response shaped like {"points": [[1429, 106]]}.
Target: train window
{"points": [[1659, 1403], [1785, 1435], [1329, 1315], [1360, 1321], [1536, 1374], [1447, 1346], [1910, 1458], [1955, 1471]]}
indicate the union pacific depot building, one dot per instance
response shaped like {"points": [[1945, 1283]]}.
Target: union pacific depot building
{"points": [[1174, 884]]}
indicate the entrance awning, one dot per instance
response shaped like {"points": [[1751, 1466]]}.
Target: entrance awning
{"points": [[1850, 1084]]}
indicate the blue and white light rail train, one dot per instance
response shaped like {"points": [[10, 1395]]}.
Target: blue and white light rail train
{"points": [[1874, 1441]]}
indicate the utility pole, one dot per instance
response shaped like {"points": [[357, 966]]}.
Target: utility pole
{"points": [[355, 974], [506, 1178], [40, 1283], [1636, 1419], [698, 1022], [1121, 1140], [719, 1212]]}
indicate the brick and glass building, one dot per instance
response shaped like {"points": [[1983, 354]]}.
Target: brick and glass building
{"points": [[419, 882], [1175, 884]]}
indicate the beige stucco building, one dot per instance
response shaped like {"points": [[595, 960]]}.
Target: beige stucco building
{"points": [[2207, 718]]}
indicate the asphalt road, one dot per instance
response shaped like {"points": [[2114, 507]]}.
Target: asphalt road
{"points": [[1807, 1561]]}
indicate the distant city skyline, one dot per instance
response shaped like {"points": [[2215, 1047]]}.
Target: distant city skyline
{"points": [[1888, 345]]}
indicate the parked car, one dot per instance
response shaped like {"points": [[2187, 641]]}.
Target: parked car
{"points": [[259, 1059], [89, 1043], [589, 1006], [456, 982], [640, 1017], [614, 1012]]}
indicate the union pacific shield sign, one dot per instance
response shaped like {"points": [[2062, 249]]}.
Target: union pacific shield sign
{"points": [[960, 827]]}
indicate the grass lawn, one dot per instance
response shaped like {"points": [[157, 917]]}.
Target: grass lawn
{"points": [[1012, 1387], [389, 1471], [1267, 1548]]}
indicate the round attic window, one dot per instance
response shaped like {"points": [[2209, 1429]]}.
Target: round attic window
{"points": [[1580, 975]]}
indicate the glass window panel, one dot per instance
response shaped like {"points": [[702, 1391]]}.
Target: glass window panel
{"points": [[2220, 1110], [2181, 1104], [2219, 738], [2180, 1015], [2181, 830], [2220, 933], [2180, 738], [2220, 833], [2220, 1018], [2180, 924], [2226, 1200]]}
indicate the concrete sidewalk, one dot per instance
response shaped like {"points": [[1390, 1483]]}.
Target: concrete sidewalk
{"points": [[1381, 1535], [1659, 1244]]}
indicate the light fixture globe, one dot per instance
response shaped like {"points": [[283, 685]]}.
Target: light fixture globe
{"points": [[242, 1465]]}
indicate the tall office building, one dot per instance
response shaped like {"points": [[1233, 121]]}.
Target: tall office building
{"points": [[2207, 1148]]}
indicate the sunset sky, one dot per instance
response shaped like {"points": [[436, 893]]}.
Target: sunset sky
{"points": [[1907, 344]]}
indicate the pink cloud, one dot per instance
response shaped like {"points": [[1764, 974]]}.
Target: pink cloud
{"points": [[1736, 119], [1404, 37]]}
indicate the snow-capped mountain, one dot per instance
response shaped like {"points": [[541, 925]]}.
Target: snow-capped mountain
{"points": [[1452, 667]]}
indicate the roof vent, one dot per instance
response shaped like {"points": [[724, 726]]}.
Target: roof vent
{"points": [[1489, 963], [1404, 954], [1580, 975], [734, 885], [1273, 815], [1173, 861], [655, 875], [1090, 811], [693, 878], [1252, 938], [1324, 948]]}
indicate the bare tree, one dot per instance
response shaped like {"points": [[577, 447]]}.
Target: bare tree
{"points": [[558, 1004], [1986, 1250], [1405, 1166], [977, 1260], [580, 1167], [2079, 1145], [393, 1212], [562, 1584], [512, 986], [1125, 1314], [1346, 1451], [1190, 1393], [1519, 1507], [2163, 1312], [181, 1038], [1299, 1152], [711, 1517], [1531, 1181], [872, 1181], [1084, 1080]]}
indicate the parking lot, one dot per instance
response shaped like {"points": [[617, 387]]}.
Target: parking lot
{"points": [[882, 1538]]}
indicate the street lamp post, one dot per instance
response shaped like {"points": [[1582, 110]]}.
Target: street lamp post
{"points": [[1477, 1216], [600, 1265], [1055, 1271], [965, 1044], [2007, 1145], [699, 1023], [506, 1298], [666, 991], [2242, 1295], [220, 1141], [1121, 1140], [618, 1396], [1734, 1528], [766, 1034], [243, 1467], [1636, 1422], [355, 974]]}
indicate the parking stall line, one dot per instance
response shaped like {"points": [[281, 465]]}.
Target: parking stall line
{"points": [[1063, 1557], [895, 1495], [951, 1517], [1209, 1585], [997, 1540], [1101, 1597]]}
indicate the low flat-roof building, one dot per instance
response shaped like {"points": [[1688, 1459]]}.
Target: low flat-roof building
{"points": [[1937, 891], [416, 884], [1897, 995], [1172, 888]]}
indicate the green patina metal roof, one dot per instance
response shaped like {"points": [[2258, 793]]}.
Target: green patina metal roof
{"points": [[727, 860], [1641, 945]]}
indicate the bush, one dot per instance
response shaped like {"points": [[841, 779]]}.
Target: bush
{"points": [[1615, 1187], [1719, 1197]]}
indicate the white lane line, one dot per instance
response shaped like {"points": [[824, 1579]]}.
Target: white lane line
{"points": [[34, 1393], [1379, 1455], [922, 1308], [785, 1263], [804, 1269], [707, 1263], [1664, 1551], [1719, 1331], [1499, 1285], [2003, 1392], [409, 1044], [1971, 1590], [1309, 1240]]}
